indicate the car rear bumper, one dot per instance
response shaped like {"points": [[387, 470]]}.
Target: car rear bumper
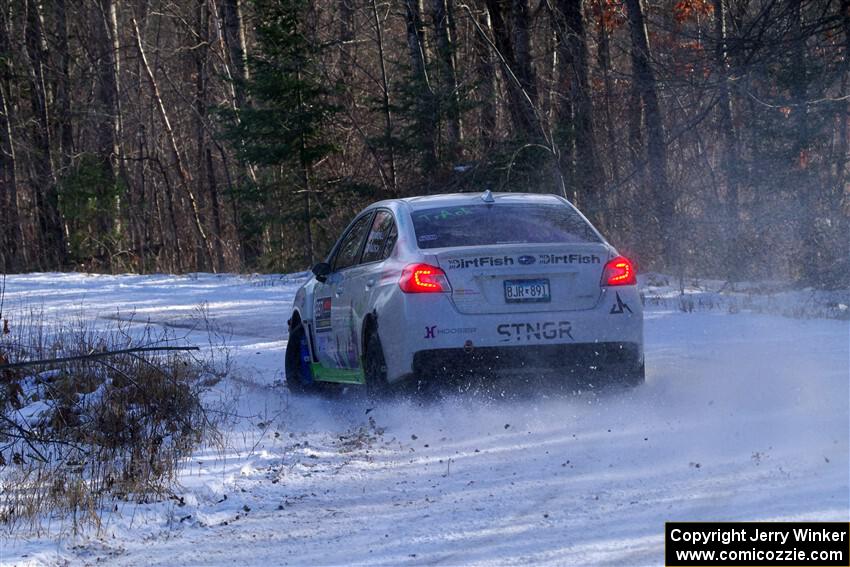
{"points": [[421, 329], [452, 362]]}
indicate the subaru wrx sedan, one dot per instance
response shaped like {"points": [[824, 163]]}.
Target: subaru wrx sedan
{"points": [[429, 287]]}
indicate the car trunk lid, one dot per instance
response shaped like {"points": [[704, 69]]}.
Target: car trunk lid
{"points": [[524, 278]]}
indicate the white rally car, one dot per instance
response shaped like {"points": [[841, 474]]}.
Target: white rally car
{"points": [[428, 287]]}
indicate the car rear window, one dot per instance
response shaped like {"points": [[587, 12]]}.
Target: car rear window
{"points": [[514, 223]]}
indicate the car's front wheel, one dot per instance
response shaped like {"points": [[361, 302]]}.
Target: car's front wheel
{"points": [[298, 379]]}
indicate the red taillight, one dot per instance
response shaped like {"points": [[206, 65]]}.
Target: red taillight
{"points": [[619, 271], [423, 278]]}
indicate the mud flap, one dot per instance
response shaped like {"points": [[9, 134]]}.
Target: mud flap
{"points": [[304, 353]]}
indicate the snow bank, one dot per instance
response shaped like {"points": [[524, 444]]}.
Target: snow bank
{"points": [[744, 416]]}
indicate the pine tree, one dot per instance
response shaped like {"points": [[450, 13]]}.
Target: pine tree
{"points": [[283, 127]]}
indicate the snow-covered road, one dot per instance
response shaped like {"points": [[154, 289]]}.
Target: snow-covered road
{"points": [[743, 417]]}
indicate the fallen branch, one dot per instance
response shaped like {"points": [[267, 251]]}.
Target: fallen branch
{"points": [[94, 355]]}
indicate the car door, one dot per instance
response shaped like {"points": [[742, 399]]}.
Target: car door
{"points": [[332, 310], [353, 299]]}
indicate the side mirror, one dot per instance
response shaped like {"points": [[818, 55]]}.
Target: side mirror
{"points": [[321, 271]]}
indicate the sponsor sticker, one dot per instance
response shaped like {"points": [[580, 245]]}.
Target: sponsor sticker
{"points": [[434, 331], [620, 307], [480, 262], [523, 260], [556, 259], [540, 331], [322, 314]]}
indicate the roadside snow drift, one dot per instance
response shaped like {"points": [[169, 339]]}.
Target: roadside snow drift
{"points": [[744, 416]]}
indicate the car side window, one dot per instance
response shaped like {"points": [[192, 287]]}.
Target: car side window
{"points": [[349, 250], [390, 243], [382, 227]]}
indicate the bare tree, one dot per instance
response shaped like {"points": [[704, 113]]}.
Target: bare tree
{"points": [[518, 76], [644, 78], [730, 153], [578, 114], [486, 72], [175, 152], [15, 246], [441, 15], [385, 97], [423, 91], [43, 173]]}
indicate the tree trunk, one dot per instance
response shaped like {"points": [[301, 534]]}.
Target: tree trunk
{"points": [[16, 250], [646, 86], [572, 49], [63, 96], [175, 152], [521, 100], [206, 178], [603, 53], [521, 27], [564, 127], [13, 241], [233, 52], [416, 39], [729, 141], [118, 162], [306, 174], [346, 40], [448, 77], [234, 39], [107, 124], [423, 92], [46, 198], [385, 99], [813, 253], [486, 74]]}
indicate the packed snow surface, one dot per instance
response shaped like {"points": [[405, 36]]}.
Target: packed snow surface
{"points": [[744, 416]]}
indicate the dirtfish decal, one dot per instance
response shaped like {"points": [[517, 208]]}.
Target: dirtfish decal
{"points": [[480, 262], [569, 259], [524, 260]]}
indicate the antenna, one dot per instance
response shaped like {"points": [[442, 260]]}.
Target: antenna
{"points": [[487, 197]]}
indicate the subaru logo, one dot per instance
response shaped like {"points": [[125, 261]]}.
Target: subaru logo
{"points": [[526, 260]]}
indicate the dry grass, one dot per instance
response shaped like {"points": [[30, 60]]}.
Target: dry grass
{"points": [[73, 435]]}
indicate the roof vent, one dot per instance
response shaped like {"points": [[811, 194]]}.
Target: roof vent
{"points": [[487, 197]]}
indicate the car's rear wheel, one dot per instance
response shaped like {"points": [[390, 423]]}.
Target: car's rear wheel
{"points": [[375, 367], [297, 378]]}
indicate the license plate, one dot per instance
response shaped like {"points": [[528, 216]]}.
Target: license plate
{"points": [[527, 291]]}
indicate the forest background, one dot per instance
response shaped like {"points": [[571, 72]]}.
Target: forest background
{"points": [[703, 137]]}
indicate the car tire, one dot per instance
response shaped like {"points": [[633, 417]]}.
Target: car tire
{"points": [[375, 367], [296, 382]]}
